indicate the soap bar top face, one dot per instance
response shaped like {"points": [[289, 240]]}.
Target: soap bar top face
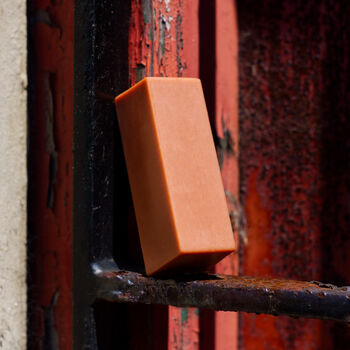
{"points": [[174, 175]]}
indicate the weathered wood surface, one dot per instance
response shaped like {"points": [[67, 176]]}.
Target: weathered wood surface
{"points": [[50, 174], [179, 38]]}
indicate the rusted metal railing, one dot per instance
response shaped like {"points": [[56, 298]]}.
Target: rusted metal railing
{"points": [[228, 293]]}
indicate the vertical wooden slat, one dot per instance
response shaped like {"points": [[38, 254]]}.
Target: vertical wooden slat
{"points": [[184, 322], [163, 41], [226, 128], [50, 174], [189, 38], [183, 329]]}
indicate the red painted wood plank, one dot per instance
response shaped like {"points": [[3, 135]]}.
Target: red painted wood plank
{"points": [[226, 126], [163, 41], [294, 78], [50, 174], [183, 328], [184, 322]]}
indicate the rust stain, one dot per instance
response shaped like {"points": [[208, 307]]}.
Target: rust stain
{"points": [[230, 293], [293, 154]]}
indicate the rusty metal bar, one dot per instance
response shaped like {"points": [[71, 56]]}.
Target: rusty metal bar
{"points": [[228, 293]]}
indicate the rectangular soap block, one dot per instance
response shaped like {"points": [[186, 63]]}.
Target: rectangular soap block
{"points": [[174, 175]]}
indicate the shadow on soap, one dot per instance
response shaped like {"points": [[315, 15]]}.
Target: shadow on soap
{"points": [[127, 251]]}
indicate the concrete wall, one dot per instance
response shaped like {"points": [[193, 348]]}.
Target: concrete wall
{"points": [[13, 174]]}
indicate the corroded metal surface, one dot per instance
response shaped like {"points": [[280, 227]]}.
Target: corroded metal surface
{"points": [[229, 293], [294, 157]]}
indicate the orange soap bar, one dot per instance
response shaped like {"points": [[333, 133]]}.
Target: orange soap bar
{"points": [[174, 175]]}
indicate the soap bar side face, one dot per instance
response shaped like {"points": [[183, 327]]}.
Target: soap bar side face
{"points": [[146, 175], [192, 171]]}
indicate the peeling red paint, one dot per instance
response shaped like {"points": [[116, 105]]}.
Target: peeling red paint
{"points": [[183, 329], [294, 62], [50, 174], [172, 49], [156, 39], [163, 41]]}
